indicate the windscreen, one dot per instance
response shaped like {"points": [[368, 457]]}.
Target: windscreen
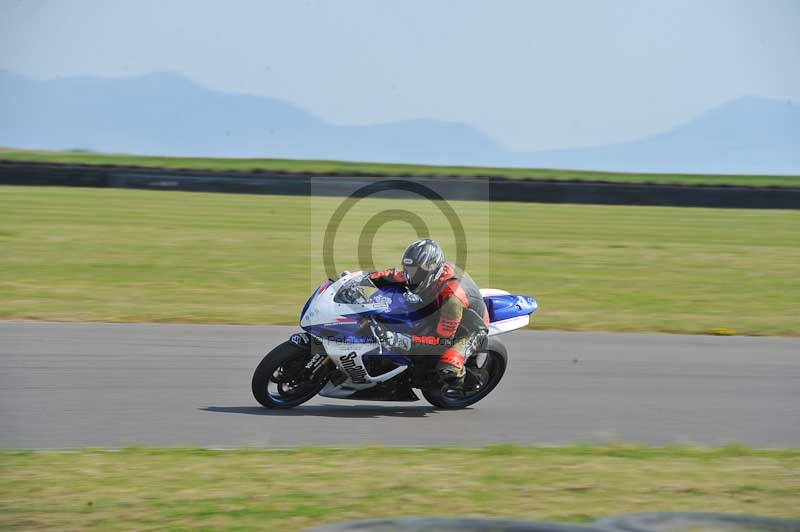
{"points": [[355, 291]]}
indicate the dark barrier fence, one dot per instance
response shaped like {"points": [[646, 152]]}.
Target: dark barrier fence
{"points": [[696, 521], [523, 190], [650, 522]]}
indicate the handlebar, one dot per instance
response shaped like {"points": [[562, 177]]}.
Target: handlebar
{"points": [[373, 327]]}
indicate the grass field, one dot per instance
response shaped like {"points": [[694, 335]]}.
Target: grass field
{"points": [[125, 255], [143, 489], [351, 168]]}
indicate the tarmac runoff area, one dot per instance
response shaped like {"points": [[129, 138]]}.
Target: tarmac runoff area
{"points": [[72, 385]]}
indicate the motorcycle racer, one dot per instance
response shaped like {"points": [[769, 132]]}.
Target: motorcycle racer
{"points": [[455, 318], [346, 350]]}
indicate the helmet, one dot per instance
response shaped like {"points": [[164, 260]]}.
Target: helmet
{"points": [[423, 264]]}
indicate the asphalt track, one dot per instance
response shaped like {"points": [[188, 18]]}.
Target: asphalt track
{"points": [[116, 385]]}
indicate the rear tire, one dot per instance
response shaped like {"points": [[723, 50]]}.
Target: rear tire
{"points": [[495, 365], [281, 379]]}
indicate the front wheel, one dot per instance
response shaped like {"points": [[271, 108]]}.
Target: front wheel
{"points": [[288, 376], [485, 368]]}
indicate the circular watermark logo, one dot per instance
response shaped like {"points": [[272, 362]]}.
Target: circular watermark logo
{"points": [[367, 237], [394, 311]]}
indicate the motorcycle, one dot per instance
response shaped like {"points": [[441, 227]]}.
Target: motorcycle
{"points": [[339, 353]]}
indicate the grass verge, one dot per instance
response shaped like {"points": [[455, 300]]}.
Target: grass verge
{"points": [[183, 489], [125, 255], [385, 169]]}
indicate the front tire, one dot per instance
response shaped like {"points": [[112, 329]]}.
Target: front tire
{"points": [[486, 366], [282, 380]]}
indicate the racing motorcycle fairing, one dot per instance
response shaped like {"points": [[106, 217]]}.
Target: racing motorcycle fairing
{"points": [[334, 317], [507, 312]]}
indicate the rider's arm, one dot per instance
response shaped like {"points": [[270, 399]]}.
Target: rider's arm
{"points": [[390, 276]]}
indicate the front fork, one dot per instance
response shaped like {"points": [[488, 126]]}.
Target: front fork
{"points": [[319, 363]]}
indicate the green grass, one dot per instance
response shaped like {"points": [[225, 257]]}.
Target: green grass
{"points": [[382, 169], [189, 489], [125, 255]]}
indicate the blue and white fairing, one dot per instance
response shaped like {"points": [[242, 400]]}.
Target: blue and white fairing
{"points": [[333, 312], [335, 308], [332, 316]]}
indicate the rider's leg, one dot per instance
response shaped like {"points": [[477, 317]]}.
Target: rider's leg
{"points": [[451, 363]]}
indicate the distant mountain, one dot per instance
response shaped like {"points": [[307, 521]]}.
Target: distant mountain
{"points": [[167, 114], [747, 135]]}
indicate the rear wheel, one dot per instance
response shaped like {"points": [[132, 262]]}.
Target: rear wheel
{"points": [[285, 378], [484, 371]]}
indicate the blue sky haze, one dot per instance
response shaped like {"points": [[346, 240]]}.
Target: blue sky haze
{"points": [[531, 75]]}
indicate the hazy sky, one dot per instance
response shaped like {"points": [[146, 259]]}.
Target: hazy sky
{"points": [[533, 75]]}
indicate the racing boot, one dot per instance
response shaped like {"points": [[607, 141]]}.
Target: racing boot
{"points": [[450, 368]]}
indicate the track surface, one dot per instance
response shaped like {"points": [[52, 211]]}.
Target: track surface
{"points": [[115, 385]]}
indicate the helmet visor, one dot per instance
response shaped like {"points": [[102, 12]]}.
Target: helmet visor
{"points": [[414, 275]]}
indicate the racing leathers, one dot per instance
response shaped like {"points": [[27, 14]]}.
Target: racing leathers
{"points": [[454, 319]]}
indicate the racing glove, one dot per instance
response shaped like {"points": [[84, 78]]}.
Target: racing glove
{"points": [[392, 339], [398, 341]]}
